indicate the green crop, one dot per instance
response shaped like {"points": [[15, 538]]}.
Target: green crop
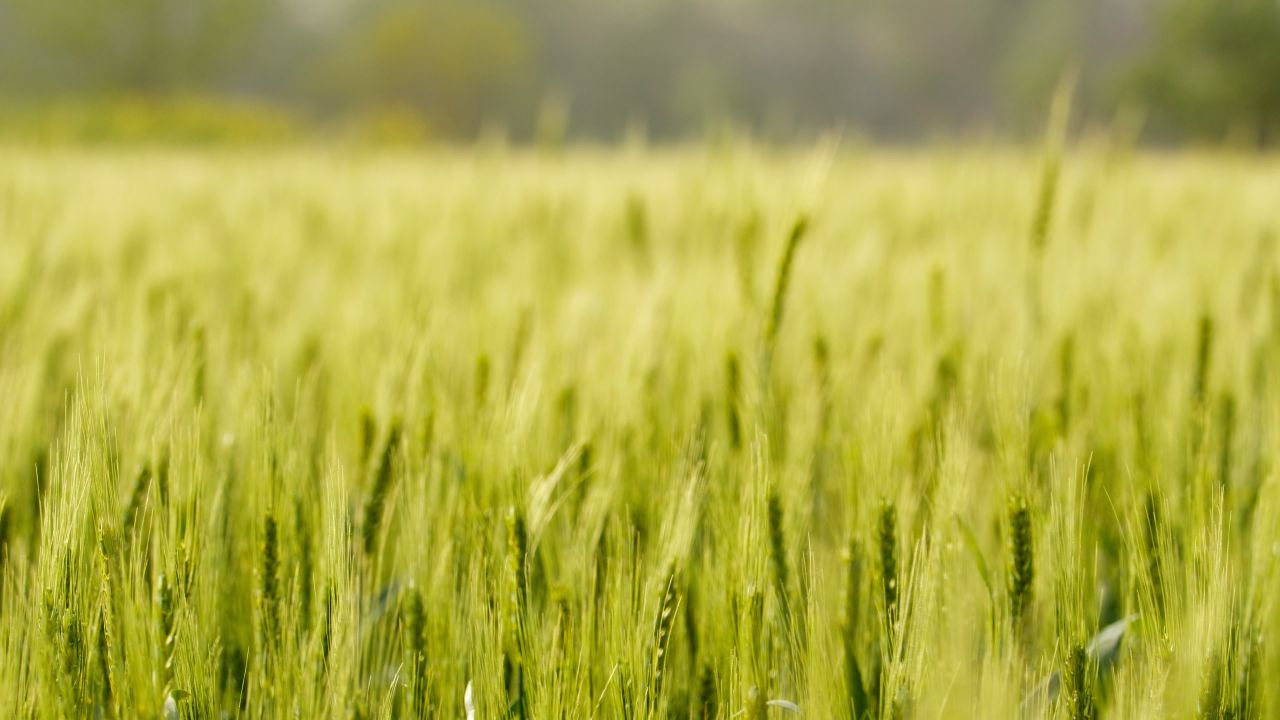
{"points": [[698, 433]]}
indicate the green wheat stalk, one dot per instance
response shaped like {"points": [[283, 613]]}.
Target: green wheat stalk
{"points": [[268, 585], [781, 281], [887, 541], [376, 504], [1021, 571]]}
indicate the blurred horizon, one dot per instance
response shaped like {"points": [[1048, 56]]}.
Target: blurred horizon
{"points": [[1162, 71]]}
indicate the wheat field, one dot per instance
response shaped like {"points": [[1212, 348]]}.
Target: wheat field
{"points": [[709, 432]]}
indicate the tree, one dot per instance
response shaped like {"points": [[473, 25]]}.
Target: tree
{"points": [[144, 46], [458, 62], [1214, 68]]}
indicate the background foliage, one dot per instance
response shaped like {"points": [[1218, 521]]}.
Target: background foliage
{"points": [[900, 71]]}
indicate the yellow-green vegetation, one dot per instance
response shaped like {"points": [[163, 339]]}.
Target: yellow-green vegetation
{"points": [[719, 432]]}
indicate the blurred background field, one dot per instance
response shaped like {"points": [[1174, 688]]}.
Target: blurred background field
{"points": [[1165, 71]]}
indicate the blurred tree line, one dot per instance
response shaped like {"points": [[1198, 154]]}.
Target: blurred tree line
{"points": [[898, 70]]}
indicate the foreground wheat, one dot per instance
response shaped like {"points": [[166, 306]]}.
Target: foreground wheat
{"points": [[712, 433]]}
